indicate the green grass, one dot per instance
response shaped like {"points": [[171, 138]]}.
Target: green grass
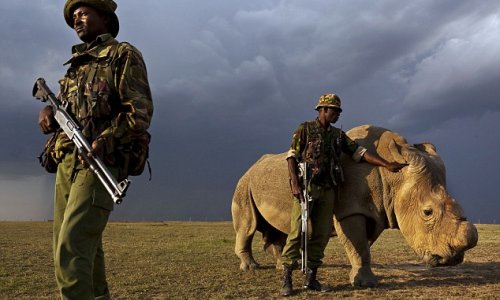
{"points": [[195, 260]]}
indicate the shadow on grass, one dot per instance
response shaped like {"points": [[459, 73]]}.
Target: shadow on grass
{"points": [[405, 275], [420, 275], [397, 281]]}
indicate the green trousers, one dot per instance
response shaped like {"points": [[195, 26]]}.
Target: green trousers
{"points": [[81, 211], [321, 217]]}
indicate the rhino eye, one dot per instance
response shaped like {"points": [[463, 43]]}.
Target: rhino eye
{"points": [[428, 212]]}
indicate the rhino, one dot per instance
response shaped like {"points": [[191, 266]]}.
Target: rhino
{"points": [[372, 199]]}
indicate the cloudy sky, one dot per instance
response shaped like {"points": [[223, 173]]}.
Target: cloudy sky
{"points": [[232, 79]]}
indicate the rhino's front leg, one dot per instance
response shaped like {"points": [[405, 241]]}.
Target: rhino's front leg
{"points": [[352, 234]]}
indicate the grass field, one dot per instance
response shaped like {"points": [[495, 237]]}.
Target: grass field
{"points": [[195, 260]]}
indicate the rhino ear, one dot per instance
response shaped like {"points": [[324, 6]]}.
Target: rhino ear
{"points": [[431, 153], [398, 151], [426, 147]]}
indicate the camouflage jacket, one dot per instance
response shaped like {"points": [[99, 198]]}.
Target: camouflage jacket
{"points": [[321, 149], [108, 93]]}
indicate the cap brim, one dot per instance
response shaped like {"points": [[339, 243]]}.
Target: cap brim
{"points": [[332, 106]]}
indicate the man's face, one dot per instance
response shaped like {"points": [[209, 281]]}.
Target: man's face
{"points": [[88, 23], [332, 114]]}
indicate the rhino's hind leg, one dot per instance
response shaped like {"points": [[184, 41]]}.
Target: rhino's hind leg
{"points": [[245, 224], [352, 234], [243, 250]]}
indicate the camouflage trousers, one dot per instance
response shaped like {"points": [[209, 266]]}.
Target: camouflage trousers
{"points": [[81, 211], [320, 216]]}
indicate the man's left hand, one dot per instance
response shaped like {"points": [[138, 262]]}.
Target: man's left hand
{"points": [[395, 166]]}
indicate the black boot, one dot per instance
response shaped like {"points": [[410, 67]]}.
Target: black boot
{"points": [[310, 281], [286, 287]]}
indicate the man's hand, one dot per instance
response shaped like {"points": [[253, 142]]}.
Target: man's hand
{"points": [[395, 166], [98, 150], [297, 192], [376, 160], [294, 179], [46, 120]]}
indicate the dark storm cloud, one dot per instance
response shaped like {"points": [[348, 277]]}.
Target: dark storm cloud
{"points": [[459, 78], [232, 79]]}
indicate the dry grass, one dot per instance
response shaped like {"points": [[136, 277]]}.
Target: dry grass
{"points": [[195, 260]]}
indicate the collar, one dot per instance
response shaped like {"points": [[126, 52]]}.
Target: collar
{"points": [[97, 48], [328, 128]]}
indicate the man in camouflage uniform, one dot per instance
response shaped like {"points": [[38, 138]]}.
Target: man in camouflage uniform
{"points": [[108, 92], [319, 144]]}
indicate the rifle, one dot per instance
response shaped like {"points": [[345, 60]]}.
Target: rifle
{"points": [[72, 129], [304, 215]]}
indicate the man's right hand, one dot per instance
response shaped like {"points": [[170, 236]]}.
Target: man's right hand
{"points": [[297, 192], [294, 178], [46, 120]]}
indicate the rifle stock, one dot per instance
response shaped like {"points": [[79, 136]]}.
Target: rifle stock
{"points": [[116, 190]]}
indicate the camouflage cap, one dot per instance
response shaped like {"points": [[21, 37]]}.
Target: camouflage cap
{"points": [[328, 100], [106, 6]]}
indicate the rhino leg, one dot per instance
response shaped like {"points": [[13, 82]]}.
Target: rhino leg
{"points": [[247, 262], [243, 246], [274, 240], [245, 224], [353, 235]]}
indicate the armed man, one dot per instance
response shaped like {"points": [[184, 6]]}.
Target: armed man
{"points": [[107, 94], [319, 145]]}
